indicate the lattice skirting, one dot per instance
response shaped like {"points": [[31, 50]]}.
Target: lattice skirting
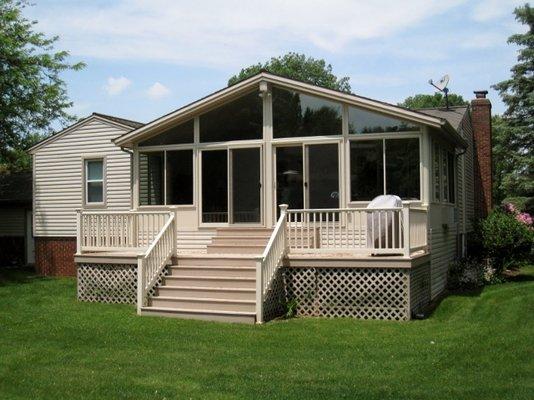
{"points": [[420, 288], [275, 298], [368, 293], [110, 283]]}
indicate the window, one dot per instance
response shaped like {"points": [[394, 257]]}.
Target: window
{"points": [[297, 115], [179, 177], [452, 170], [402, 168], [395, 160], [180, 134], [241, 119], [166, 177], [94, 181], [366, 169], [436, 168], [151, 178], [363, 121], [444, 170]]}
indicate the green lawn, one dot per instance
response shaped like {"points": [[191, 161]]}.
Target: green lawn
{"points": [[477, 346]]}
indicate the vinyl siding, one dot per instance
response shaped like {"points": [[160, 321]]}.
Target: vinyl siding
{"points": [[469, 174], [442, 245], [12, 221], [58, 186]]}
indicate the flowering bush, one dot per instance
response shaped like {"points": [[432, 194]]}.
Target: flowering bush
{"points": [[507, 237]]}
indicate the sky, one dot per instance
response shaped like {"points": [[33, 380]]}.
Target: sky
{"points": [[146, 58]]}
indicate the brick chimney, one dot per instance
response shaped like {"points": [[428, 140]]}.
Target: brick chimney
{"points": [[481, 120]]}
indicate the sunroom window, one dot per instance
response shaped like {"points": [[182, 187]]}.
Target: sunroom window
{"points": [[363, 121], [240, 119], [299, 115], [166, 177], [385, 166], [94, 181], [444, 170], [180, 134]]}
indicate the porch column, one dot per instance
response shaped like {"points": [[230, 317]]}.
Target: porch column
{"points": [[135, 178], [268, 183]]}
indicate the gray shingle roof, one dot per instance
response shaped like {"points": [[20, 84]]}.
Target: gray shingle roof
{"points": [[454, 115], [127, 122]]}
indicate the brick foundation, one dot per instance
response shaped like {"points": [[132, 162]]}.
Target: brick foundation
{"points": [[54, 256]]}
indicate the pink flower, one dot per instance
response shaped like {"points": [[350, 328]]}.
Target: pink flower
{"points": [[524, 218], [510, 208]]}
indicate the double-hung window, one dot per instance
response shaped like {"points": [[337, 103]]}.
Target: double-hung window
{"points": [[94, 181]]}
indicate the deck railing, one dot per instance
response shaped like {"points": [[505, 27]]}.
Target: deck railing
{"points": [[118, 230], [361, 230], [151, 263], [270, 260]]}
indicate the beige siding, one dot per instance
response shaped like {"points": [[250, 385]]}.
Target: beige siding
{"points": [[468, 160], [442, 245], [12, 221], [58, 176]]}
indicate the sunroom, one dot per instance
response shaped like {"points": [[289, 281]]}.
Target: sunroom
{"points": [[287, 170]]}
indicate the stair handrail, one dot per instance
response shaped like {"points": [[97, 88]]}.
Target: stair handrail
{"points": [[150, 264], [267, 265]]}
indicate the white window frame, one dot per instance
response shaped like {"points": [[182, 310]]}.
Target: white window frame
{"points": [[383, 137], [85, 191], [440, 167]]}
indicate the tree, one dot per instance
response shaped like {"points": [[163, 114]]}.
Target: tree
{"points": [[33, 95], [432, 100], [297, 66], [514, 135]]}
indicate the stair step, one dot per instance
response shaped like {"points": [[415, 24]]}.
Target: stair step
{"points": [[247, 240], [207, 292], [235, 249], [211, 281], [234, 260], [244, 231], [224, 271], [200, 304], [205, 315]]}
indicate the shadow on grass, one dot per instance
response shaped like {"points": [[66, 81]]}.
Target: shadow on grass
{"points": [[18, 275]]}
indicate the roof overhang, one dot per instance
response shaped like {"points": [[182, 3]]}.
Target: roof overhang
{"points": [[226, 94]]}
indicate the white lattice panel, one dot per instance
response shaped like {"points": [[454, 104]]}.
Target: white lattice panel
{"points": [[111, 283], [107, 283], [273, 304], [368, 293]]}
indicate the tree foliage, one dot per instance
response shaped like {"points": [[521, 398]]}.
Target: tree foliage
{"points": [[513, 134], [432, 100], [299, 67], [32, 94]]}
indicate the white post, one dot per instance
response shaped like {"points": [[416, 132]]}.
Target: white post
{"points": [[283, 212], [140, 284], [259, 291], [406, 229], [78, 231]]}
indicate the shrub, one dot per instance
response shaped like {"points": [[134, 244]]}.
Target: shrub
{"points": [[507, 237], [465, 273]]}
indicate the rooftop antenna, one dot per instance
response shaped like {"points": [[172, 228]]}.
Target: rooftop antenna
{"points": [[441, 85]]}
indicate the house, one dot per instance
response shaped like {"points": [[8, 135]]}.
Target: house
{"points": [[16, 240], [61, 163], [257, 195]]}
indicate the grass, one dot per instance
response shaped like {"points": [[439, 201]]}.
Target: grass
{"points": [[475, 345]]}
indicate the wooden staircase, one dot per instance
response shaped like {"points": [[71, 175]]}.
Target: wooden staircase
{"points": [[219, 285]]}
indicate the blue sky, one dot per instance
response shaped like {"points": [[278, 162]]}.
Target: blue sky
{"points": [[148, 57]]}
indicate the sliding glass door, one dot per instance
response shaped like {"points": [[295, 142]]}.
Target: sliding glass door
{"points": [[231, 186], [307, 176]]}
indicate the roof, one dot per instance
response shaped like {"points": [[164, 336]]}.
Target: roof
{"points": [[124, 123], [230, 92], [454, 115], [128, 122], [16, 188]]}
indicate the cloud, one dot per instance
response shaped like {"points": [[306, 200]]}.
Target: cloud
{"points": [[157, 91], [116, 86], [230, 33]]}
